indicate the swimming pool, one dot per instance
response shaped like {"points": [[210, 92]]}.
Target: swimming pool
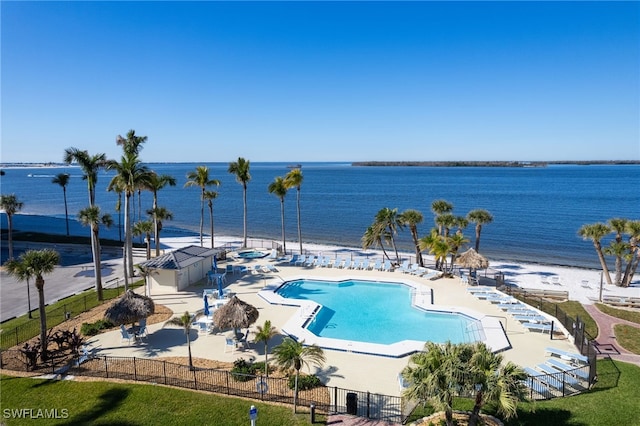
{"points": [[376, 312], [252, 254]]}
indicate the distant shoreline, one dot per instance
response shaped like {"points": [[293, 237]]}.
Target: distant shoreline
{"points": [[490, 163]]}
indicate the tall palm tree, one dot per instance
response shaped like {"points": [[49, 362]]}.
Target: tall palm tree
{"points": [[445, 222], [388, 223], [154, 184], [292, 354], [455, 242], [39, 263], [92, 217], [633, 229], [596, 232], [264, 334], [480, 217], [200, 178], [21, 272], [437, 245], [279, 188], [130, 175], [434, 376], [372, 237], [493, 382], [240, 168], [184, 321], [144, 227], [412, 218], [618, 248], [294, 179], [209, 196], [90, 166], [131, 144], [62, 179], [11, 205], [159, 215]]}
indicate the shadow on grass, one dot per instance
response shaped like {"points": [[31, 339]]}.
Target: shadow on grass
{"points": [[544, 416], [110, 400]]}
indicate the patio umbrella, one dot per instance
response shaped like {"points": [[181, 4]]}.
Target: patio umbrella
{"points": [[206, 306], [220, 293], [215, 264], [129, 308], [473, 260], [235, 314]]}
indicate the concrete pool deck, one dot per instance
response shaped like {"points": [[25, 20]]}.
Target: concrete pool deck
{"points": [[349, 370]]}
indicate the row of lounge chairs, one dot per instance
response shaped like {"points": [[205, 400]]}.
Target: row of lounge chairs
{"points": [[554, 375]]}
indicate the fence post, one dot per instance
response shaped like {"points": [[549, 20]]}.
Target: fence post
{"points": [[106, 368], [368, 402], [135, 370], [195, 381], [228, 390], [164, 371]]}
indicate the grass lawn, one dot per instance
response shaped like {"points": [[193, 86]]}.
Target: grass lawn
{"points": [[612, 401], [575, 309], [628, 337], [105, 403], [633, 316]]}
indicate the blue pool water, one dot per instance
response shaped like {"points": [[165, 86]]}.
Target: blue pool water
{"points": [[252, 254], [375, 312]]}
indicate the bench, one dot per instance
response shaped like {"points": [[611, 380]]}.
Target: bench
{"points": [[628, 302], [548, 294]]}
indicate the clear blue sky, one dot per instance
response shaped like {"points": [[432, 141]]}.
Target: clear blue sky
{"points": [[301, 81]]}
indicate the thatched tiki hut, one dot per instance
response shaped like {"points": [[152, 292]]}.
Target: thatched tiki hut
{"points": [[473, 260], [130, 308], [235, 314]]}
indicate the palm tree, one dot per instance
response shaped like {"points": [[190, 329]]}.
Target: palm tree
{"points": [[372, 237], [21, 273], [294, 179], [264, 334], [455, 241], [10, 205], [292, 354], [131, 146], [618, 247], [279, 188], [240, 168], [144, 227], [90, 165], [62, 179], [387, 223], [159, 214], [412, 218], [492, 382], [184, 321], [154, 184], [38, 263], [633, 229], [210, 196], [92, 217], [596, 232], [440, 207], [200, 178], [437, 245], [434, 376], [480, 217], [130, 175]]}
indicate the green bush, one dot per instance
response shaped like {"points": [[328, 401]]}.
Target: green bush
{"points": [[91, 329], [242, 370], [260, 368], [305, 382]]}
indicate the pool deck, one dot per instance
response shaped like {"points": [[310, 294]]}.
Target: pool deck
{"points": [[346, 369]]}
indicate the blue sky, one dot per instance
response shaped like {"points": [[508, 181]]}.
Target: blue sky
{"points": [[325, 81]]}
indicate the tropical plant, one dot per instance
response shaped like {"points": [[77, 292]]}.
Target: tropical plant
{"points": [[130, 175], [200, 178], [155, 183], [387, 223], [618, 248], [294, 179], [440, 207], [11, 205], [480, 217], [372, 237], [411, 219], [292, 354], [633, 229], [21, 273], [144, 227], [184, 321], [240, 168], [455, 242], [209, 196], [62, 179], [159, 214], [279, 188], [90, 166], [92, 217], [38, 263], [596, 232], [264, 334]]}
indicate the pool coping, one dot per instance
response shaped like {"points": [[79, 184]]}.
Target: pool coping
{"points": [[494, 334]]}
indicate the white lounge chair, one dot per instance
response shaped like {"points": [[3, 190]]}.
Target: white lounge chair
{"points": [[569, 369], [543, 328], [338, 262], [404, 268], [364, 265], [537, 319], [544, 378], [378, 265], [347, 264], [567, 356], [300, 260], [387, 266], [310, 261], [567, 378]]}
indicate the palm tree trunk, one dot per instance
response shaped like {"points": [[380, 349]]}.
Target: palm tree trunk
{"points": [[127, 235], [10, 235], [95, 246], [299, 226], [284, 240], [295, 394], [211, 223], [148, 241], [393, 243], [475, 414], [124, 268], [603, 262], [201, 215], [29, 299], [478, 231], [189, 345], [631, 269], [244, 221], [43, 319], [66, 210], [155, 223], [414, 235]]}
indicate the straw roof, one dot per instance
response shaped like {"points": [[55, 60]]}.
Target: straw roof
{"points": [[473, 260], [235, 314], [129, 308]]}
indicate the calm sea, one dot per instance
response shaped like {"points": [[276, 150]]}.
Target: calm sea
{"points": [[537, 211]]}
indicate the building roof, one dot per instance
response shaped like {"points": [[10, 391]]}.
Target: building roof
{"points": [[180, 258]]}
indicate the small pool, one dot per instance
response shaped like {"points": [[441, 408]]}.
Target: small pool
{"points": [[376, 312], [252, 254]]}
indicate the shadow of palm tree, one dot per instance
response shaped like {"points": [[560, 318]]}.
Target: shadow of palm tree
{"points": [[108, 401]]}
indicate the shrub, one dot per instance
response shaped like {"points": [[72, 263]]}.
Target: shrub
{"points": [[242, 370], [305, 382], [91, 329], [259, 366]]}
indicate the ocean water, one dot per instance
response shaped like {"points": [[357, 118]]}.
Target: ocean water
{"points": [[537, 211]]}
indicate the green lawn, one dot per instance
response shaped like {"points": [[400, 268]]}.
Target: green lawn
{"points": [[575, 309], [633, 316], [104, 403], [628, 337]]}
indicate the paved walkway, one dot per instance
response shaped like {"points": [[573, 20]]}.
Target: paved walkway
{"points": [[606, 340]]}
